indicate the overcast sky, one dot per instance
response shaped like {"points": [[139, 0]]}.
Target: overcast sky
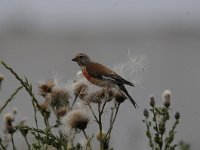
{"points": [[39, 38]]}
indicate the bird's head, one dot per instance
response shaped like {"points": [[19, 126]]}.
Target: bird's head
{"points": [[82, 59]]}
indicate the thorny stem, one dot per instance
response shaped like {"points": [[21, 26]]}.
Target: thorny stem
{"points": [[88, 140], [149, 135], [156, 126], [10, 98], [155, 120], [161, 136], [13, 144], [171, 131], [28, 88]]}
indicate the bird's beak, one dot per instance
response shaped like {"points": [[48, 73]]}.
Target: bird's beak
{"points": [[74, 59]]}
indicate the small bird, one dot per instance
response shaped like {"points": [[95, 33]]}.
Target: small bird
{"points": [[102, 76]]}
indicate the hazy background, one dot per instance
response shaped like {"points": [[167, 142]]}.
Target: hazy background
{"points": [[39, 39]]}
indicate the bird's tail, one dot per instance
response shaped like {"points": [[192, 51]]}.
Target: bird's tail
{"points": [[128, 83], [122, 87]]}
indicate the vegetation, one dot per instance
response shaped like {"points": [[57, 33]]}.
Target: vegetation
{"points": [[72, 118]]}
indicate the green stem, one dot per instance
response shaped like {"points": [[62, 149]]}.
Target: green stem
{"points": [[156, 128], [10, 98], [29, 146], [28, 88], [171, 131], [165, 118], [36, 121], [3, 147], [149, 135]]}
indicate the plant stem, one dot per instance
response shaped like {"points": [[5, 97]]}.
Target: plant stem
{"points": [[28, 88], [171, 131], [100, 126], [13, 144], [10, 98], [104, 104], [3, 147], [91, 109], [76, 96], [149, 134], [88, 140], [113, 120], [29, 146], [156, 128]]}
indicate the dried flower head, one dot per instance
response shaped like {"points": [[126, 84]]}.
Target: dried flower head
{"points": [[167, 98], [146, 113], [10, 129], [152, 101], [44, 106], [46, 87], [119, 96], [9, 118], [98, 136], [62, 111], [23, 124], [110, 93], [59, 97], [79, 87], [95, 97], [83, 94], [76, 119], [177, 115], [105, 94]]}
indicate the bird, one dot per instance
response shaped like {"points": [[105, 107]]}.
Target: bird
{"points": [[102, 76]]}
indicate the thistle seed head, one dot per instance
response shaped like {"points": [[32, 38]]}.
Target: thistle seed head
{"points": [[46, 87], [76, 119], [167, 98]]}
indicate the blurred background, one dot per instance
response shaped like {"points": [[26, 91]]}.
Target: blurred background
{"points": [[39, 39]]}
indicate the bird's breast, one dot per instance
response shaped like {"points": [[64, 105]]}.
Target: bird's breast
{"points": [[85, 73], [93, 80]]}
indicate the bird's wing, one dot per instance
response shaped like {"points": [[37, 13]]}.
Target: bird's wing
{"points": [[101, 72]]}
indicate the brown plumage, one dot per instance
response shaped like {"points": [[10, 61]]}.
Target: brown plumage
{"points": [[100, 75]]}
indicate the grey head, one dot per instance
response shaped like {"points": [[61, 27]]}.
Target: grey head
{"points": [[82, 59]]}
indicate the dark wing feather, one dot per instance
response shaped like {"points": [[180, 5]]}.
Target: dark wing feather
{"points": [[101, 72]]}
